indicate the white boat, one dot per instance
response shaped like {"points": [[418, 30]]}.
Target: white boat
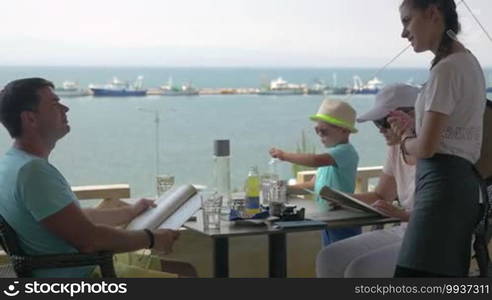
{"points": [[318, 88], [337, 90], [186, 89], [71, 89], [372, 87], [282, 87]]}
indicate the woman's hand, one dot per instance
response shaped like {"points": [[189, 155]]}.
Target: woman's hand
{"points": [[390, 210], [402, 124]]}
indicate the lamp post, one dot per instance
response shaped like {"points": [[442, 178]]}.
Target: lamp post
{"points": [[157, 122]]}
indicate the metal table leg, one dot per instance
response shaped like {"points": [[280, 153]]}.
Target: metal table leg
{"points": [[221, 257], [278, 255]]}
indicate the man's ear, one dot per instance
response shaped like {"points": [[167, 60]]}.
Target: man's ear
{"points": [[28, 119]]}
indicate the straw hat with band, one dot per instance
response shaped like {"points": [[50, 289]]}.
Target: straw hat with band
{"points": [[336, 113]]}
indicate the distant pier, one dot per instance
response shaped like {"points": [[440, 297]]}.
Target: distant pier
{"points": [[212, 91]]}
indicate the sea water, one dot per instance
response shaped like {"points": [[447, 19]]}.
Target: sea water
{"points": [[112, 141]]}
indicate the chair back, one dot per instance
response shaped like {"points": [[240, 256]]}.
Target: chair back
{"points": [[24, 265], [484, 164], [9, 243], [8, 239], [483, 234]]}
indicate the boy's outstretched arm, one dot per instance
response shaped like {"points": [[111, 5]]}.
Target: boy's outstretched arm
{"points": [[301, 188], [308, 160]]}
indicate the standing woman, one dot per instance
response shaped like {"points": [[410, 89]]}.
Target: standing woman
{"points": [[446, 141]]}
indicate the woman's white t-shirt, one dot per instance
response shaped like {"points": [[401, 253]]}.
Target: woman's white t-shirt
{"points": [[404, 175], [456, 87]]}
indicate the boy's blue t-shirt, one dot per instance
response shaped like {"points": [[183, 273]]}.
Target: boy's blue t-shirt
{"points": [[33, 189], [340, 176]]}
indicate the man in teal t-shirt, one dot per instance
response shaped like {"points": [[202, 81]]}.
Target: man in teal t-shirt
{"points": [[32, 189], [36, 200], [337, 168]]}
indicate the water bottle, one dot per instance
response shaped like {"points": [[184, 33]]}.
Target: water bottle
{"points": [[222, 175], [267, 180], [252, 190], [273, 168]]}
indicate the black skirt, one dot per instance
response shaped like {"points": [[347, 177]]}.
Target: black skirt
{"points": [[439, 234]]}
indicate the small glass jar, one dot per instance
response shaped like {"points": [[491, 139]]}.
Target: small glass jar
{"points": [[239, 205], [279, 191]]}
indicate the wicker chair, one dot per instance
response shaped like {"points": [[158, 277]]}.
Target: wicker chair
{"points": [[483, 232], [24, 265], [483, 236]]}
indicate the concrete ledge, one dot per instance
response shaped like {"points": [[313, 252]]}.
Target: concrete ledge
{"points": [[111, 191]]}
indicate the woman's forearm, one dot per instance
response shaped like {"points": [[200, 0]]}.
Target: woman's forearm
{"points": [[405, 216], [368, 198], [418, 148], [426, 144], [411, 147]]}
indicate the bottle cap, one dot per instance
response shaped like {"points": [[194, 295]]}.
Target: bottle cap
{"points": [[222, 148]]}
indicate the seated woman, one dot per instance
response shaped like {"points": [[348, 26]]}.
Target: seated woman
{"points": [[374, 254]]}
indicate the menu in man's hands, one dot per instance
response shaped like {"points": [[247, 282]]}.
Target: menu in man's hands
{"points": [[347, 201], [173, 209]]}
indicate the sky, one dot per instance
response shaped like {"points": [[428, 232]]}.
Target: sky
{"points": [[222, 33]]}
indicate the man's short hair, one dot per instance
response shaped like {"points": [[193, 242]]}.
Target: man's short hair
{"points": [[18, 96]]}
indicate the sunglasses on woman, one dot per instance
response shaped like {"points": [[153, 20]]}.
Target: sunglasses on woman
{"points": [[383, 122]]}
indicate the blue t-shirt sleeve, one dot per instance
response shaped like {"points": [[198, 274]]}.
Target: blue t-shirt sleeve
{"points": [[43, 189], [344, 156]]}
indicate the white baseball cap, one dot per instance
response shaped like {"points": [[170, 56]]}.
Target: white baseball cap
{"points": [[390, 98]]}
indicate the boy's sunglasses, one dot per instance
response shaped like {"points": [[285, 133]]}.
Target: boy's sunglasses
{"points": [[321, 131]]}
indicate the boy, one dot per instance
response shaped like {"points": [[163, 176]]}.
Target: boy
{"points": [[337, 168]]}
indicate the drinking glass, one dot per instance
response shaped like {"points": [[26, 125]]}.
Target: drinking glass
{"points": [[164, 183]]}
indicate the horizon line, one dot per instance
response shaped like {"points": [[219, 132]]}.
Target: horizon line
{"points": [[484, 67], [216, 66]]}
